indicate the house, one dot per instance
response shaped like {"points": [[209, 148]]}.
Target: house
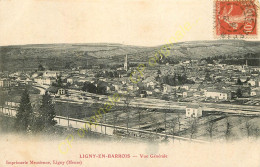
{"points": [[218, 94], [71, 80], [243, 79], [44, 80], [253, 93], [195, 87], [186, 86], [193, 111], [36, 74], [252, 82], [151, 84], [149, 92], [12, 104], [246, 91], [167, 88], [187, 94], [48, 81], [143, 94], [110, 88], [5, 83], [198, 94], [52, 90], [28, 81], [83, 71], [53, 74], [61, 91], [117, 86], [56, 91]]}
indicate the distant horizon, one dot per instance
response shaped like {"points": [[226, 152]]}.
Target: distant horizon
{"points": [[121, 44]]}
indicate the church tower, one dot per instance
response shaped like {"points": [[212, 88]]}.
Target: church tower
{"points": [[126, 63]]}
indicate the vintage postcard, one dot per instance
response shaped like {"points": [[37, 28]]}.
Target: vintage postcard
{"points": [[149, 83]]}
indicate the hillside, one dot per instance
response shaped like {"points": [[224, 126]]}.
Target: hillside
{"points": [[57, 56]]}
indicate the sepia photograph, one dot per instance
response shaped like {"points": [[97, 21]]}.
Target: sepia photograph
{"points": [[129, 83]]}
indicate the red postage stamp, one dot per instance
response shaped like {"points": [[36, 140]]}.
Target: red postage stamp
{"points": [[235, 18]]}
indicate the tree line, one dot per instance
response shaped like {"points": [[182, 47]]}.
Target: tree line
{"points": [[28, 120], [92, 88], [174, 80]]}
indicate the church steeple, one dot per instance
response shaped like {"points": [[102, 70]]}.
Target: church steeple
{"points": [[126, 63]]}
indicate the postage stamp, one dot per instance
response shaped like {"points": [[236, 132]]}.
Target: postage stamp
{"points": [[235, 19]]}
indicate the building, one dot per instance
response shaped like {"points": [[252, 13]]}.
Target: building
{"points": [[218, 94], [12, 104], [252, 82], [52, 90], [44, 80], [193, 111], [126, 66], [61, 91], [51, 74], [167, 88], [151, 84], [186, 86], [70, 80], [195, 87], [253, 93], [28, 81], [187, 94], [5, 83]]}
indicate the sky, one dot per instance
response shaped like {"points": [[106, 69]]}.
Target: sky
{"points": [[130, 22]]}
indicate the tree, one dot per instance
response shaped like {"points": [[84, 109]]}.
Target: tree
{"points": [[165, 122], [68, 65], [248, 127], [2, 100], [25, 113], [159, 71], [89, 87], [193, 127], [211, 126], [127, 102], [41, 68], [157, 126], [239, 93], [153, 121], [140, 115], [165, 97], [239, 82], [207, 77], [173, 126], [179, 122], [47, 112], [255, 131], [59, 81], [37, 124], [157, 78], [228, 128], [115, 118], [6, 124], [101, 89]]}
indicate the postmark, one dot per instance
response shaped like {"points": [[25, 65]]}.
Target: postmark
{"points": [[235, 19]]}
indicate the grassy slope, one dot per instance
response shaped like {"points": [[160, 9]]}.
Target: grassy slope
{"points": [[57, 55]]}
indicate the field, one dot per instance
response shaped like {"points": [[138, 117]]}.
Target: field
{"points": [[162, 120], [175, 122]]}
